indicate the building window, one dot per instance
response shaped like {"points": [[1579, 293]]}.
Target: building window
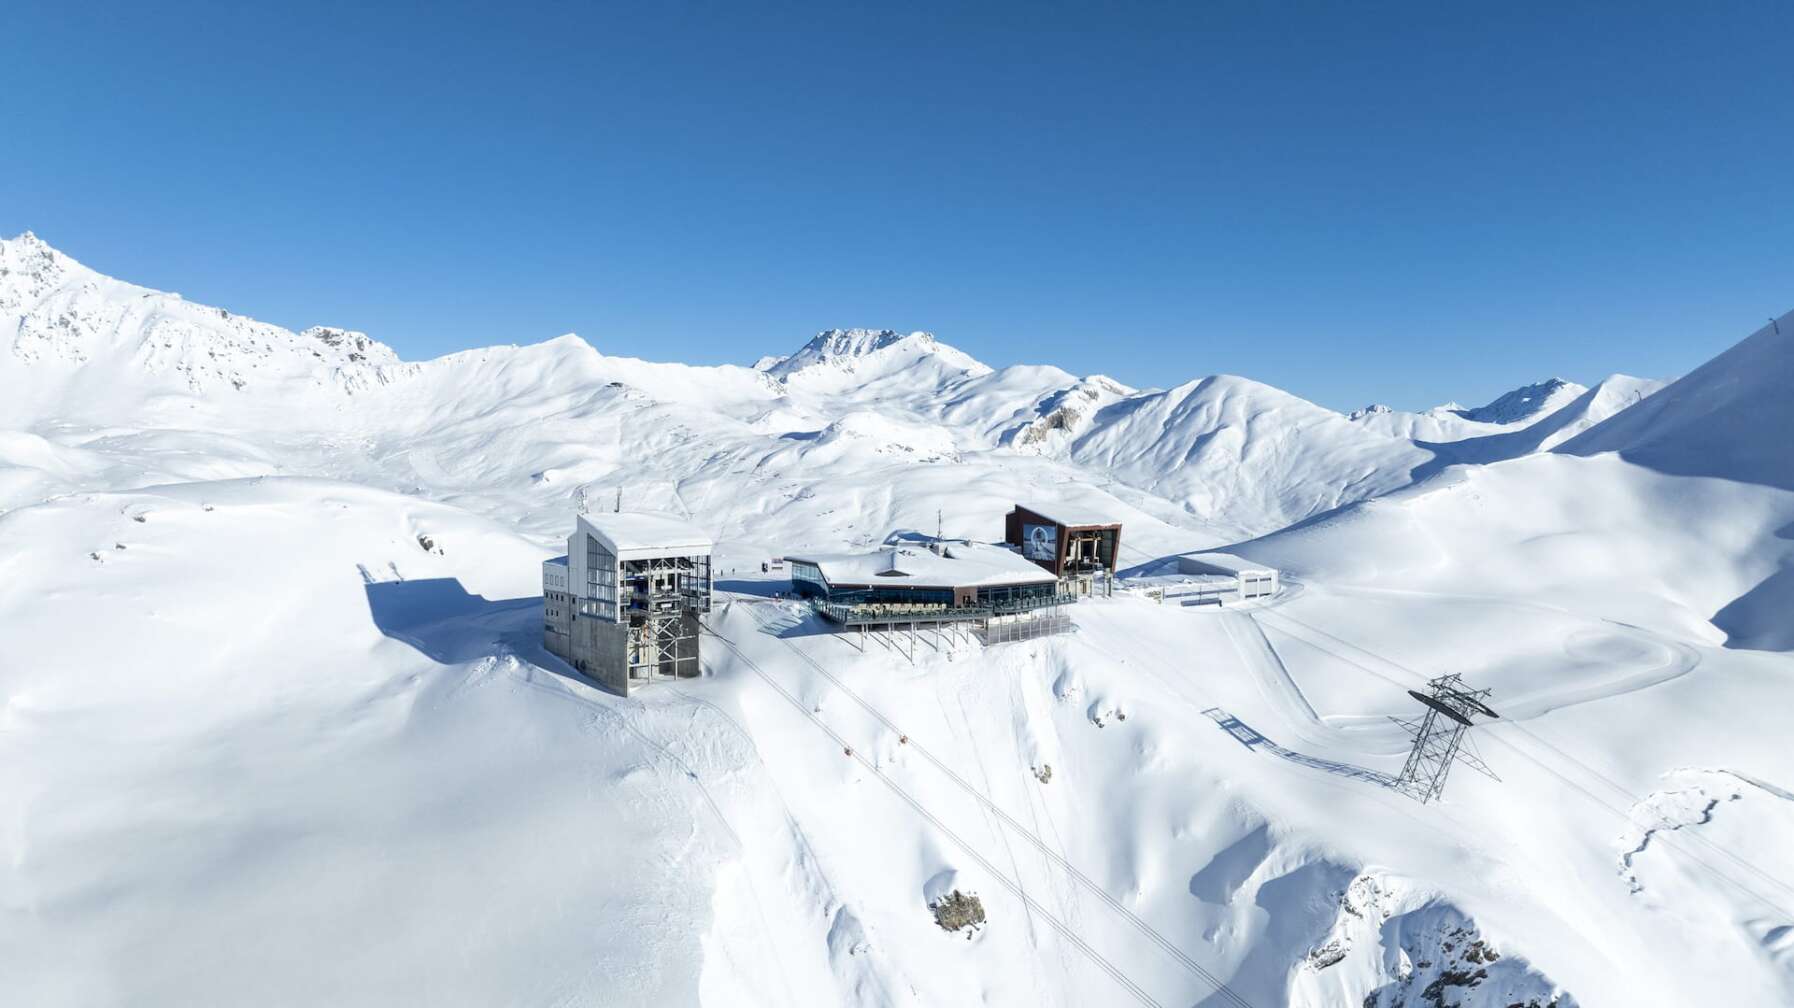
{"points": [[806, 579]]}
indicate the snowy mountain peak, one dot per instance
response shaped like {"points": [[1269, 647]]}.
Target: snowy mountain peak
{"points": [[871, 353], [29, 268], [65, 316], [859, 342], [356, 347], [1525, 401], [1359, 414], [26, 242]]}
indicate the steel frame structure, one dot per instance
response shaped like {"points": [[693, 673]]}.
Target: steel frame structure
{"points": [[661, 645], [1439, 736]]}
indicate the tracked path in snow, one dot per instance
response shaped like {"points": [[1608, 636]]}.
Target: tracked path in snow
{"points": [[1680, 660], [1395, 673], [1275, 684], [1152, 934]]}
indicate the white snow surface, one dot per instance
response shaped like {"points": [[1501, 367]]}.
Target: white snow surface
{"points": [[1528, 419], [262, 746], [636, 535]]}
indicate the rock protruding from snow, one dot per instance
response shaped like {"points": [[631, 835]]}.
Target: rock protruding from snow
{"points": [[29, 270], [958, 911], [1066, 414], [1394, 945]]}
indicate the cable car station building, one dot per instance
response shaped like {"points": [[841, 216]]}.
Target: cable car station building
{"points": [[942, 586], [623, 605], [1079, 548]]}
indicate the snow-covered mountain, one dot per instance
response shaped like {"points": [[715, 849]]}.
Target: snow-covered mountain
{"points": [[60, 316], [1452, 422], [1728, 418], [1530, 418], [277, 725], [1225, 446], [94, 353], [842, 356]]}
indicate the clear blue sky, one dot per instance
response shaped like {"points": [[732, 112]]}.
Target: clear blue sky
{"points": [[1356, 202]]}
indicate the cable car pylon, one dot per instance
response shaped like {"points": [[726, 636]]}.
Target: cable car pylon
{"points": [[1439, 739]]}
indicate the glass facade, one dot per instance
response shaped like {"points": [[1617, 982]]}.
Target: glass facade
{"points": [[892, 595], [1017, 596], [806, 580], [601, 582]]}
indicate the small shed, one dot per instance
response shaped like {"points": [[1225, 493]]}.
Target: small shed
{"points": [[1254, 580]]}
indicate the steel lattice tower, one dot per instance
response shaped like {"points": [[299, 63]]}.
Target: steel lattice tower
{"points": [[1439, 736]]}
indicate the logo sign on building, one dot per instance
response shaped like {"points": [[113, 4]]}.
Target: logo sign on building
{"points": [[1040, 542]]}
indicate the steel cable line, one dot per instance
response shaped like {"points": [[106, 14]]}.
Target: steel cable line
{"points": [[1152, 934], [1115, 973], [1593, 772]]}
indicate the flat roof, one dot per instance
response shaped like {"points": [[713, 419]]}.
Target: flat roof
{"points": [[1070, 516], [964, 565], [642, 535], [1224, 562]]}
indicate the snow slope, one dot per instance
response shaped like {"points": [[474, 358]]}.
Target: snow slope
{"points": [[377, 787], [1528, 419], [1729, 417], [96, 356], [265, 744], [1451, 422]]}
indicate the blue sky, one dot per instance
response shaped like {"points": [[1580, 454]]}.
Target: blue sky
{"points": [[1356, 202]]}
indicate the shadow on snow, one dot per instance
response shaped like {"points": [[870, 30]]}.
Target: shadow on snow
{"points": [[441, 619], [1251, 739]]}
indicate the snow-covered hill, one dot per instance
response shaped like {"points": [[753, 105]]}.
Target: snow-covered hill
{"points": [[1227, 446], [277, 725], [1530, 418], [1728, 418], [96, 357], [1451, 422], [59, 315]]}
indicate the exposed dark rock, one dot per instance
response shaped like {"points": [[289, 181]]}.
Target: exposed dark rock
{"points": [[959, 911]]}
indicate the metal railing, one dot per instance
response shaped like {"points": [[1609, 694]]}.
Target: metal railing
{"points": [[902, 612], [894, 612], [1011, 606]]}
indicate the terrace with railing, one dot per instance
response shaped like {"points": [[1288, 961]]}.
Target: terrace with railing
{"points": [[894, 613]]}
